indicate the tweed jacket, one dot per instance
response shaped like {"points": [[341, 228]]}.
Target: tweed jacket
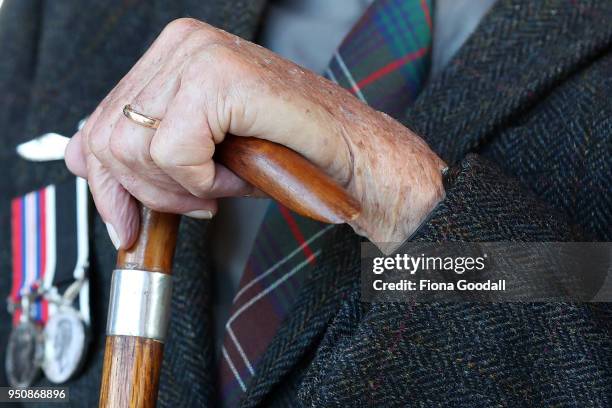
{"points": [[523, 115]]}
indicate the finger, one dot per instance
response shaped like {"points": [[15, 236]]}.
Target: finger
{"points": [[228, 184], [115, 205], [75, 157], [116, 201], [188, 160], [154, 196], [130, 142], [77, 150], [109, 112], [115, 142], [159, 199]]}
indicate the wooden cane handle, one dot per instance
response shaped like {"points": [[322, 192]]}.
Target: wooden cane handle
{"points": [[132, 364], [289, 178]]}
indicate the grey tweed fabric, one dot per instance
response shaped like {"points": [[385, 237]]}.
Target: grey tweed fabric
{"points": [[522, 113]]}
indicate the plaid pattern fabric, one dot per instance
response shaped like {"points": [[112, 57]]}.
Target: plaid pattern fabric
{"points": [[383, 61]]}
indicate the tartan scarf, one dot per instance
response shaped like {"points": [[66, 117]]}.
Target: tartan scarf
{"points": [[383, 61]]}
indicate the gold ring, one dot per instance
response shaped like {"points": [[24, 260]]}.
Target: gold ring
{"points": [[139, 118]]}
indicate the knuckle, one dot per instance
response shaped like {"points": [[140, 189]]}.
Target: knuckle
{"points": [[146, 97], [218, 60], [221, 53], [198, 37], [181, 27], [135, 187], [130, 151], [197, 40], [118, 148], [201, 188], [97, 140], [153, 203], [89, 121], [160, 153], [157, 202]]}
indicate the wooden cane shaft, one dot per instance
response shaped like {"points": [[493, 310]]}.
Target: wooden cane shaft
{"points": [[130, 376], [131, 372], [154, 249]]}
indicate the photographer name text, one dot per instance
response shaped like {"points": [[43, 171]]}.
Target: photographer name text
{"points": [[428, 285]]}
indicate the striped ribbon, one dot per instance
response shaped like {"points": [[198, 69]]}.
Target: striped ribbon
{"points": [[33, 239], [50, 245]]}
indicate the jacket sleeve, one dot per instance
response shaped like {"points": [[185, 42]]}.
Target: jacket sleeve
{"points": [[484, 204], [467, 353]]}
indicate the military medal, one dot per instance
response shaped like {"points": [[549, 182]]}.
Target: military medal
{"points": [[32, 262], [64, 336], [24, 354], [64, 339], [24, 351], [50, 243]]}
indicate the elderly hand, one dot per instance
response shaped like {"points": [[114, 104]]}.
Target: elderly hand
{"points": [[206, 83]]}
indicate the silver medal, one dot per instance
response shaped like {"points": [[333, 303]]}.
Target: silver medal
{"points": [[24, 351], [24, 354], [64, 337]]}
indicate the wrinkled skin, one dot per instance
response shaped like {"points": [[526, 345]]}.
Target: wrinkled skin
{"points": [[204, 83]]}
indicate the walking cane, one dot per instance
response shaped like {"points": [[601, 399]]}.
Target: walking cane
{"points": [[141, 285]]}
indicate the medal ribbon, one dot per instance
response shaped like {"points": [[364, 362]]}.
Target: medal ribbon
{"points": [[50, 245], [33, 239]]}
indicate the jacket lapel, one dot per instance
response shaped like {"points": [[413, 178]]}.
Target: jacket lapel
{"points": [[331, 281], [519, 52]]}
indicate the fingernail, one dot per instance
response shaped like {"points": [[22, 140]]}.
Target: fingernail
{"points": [[200, 214], [113, 235]]}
